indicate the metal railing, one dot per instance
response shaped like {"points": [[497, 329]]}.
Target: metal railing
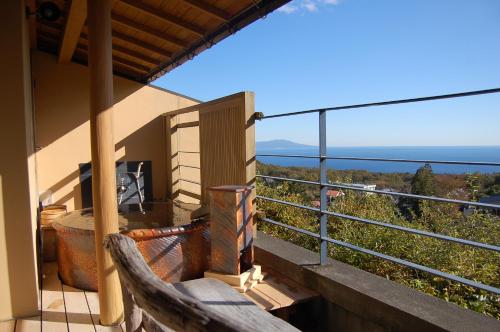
{"points": [[323, 185]]}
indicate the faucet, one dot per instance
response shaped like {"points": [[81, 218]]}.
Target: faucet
{"points": [[136, 178], [122, 188]]}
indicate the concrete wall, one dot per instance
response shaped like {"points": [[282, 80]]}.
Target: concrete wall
{"points": [[63, 128], [18, 272], [356, 301]]}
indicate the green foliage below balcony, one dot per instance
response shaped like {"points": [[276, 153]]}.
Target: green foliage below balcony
{"points": [[443, 218]]}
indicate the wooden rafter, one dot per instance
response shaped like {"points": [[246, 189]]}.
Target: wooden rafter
{"points": [[56, 27], [128, 23], [165, 17], [80, 56], [130, 72], [136, 55], [208, 9], [128, 63], [75, 20], [141, 44], [119, 59], [131, 53], [53, 37]]}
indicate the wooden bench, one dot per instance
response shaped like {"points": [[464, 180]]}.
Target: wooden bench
{"points": [[196, 305]]}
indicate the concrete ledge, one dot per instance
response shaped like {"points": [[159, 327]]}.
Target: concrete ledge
{"points": [[364, 301]]}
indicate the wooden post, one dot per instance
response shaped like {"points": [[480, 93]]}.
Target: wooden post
{"points": [[231, 229], [103, 156]]}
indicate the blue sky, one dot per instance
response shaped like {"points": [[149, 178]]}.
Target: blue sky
{"points": [[320, 53]]}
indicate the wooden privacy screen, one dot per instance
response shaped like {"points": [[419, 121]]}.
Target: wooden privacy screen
{"points": [[183, 157], [210, 144]]}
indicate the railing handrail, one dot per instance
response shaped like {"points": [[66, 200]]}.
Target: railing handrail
{"points": [[481, 245], [416, 161], [393, 259], [323, 184], [386, 103], [383, 192]]}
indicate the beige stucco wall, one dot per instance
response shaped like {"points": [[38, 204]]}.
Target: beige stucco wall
{"points": [[63, 128], [18, 201]]}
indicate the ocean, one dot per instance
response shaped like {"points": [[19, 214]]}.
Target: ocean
{"points": [[449, 153]]}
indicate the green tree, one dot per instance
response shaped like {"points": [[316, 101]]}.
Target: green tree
{"points": [[473, 185], [423, 182]]}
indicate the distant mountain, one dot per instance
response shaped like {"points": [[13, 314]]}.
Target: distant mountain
{"points": [[280, 144]]}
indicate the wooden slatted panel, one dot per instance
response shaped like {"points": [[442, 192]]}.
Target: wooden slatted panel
{"points": [[183, 157], [227, 142]]}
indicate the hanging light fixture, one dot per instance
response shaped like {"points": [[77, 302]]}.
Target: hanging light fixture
{"points": [[47, 11]]}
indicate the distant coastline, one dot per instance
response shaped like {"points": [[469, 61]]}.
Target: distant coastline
{"points": [[450, 153]]}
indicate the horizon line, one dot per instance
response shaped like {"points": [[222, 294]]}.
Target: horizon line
{"points": [[391, 146]]}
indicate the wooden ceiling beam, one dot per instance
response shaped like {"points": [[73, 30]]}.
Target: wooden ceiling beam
{"points": [[209, 9], [128, 23], [77, 14], [80, 56], [165, 17], [128, 63], [120, 36], [134, 54], [142, 44], [118, 69], [53, 38], [116, 58]]}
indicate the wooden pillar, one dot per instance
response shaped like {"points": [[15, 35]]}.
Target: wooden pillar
{"points": [[231, 229], [103, 156]]}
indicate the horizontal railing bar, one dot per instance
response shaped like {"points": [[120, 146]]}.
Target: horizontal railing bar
{"points": [[416, 231], [417, 161], [398, 227], [286, 155], [416, 266], [296, 229], [316, 183], [394, 259], [385, 103], [390, 193], [428, 198], [288, 203]]}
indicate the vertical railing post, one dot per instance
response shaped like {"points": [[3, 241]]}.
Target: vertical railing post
{"points": [[323, 250]]}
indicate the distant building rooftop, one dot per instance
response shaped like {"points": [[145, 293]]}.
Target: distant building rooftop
{"points": [[490, 199]]}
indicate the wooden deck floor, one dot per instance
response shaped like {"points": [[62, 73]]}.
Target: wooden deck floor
{"points": [[277, 291], [67, 309], [64, 308]]}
